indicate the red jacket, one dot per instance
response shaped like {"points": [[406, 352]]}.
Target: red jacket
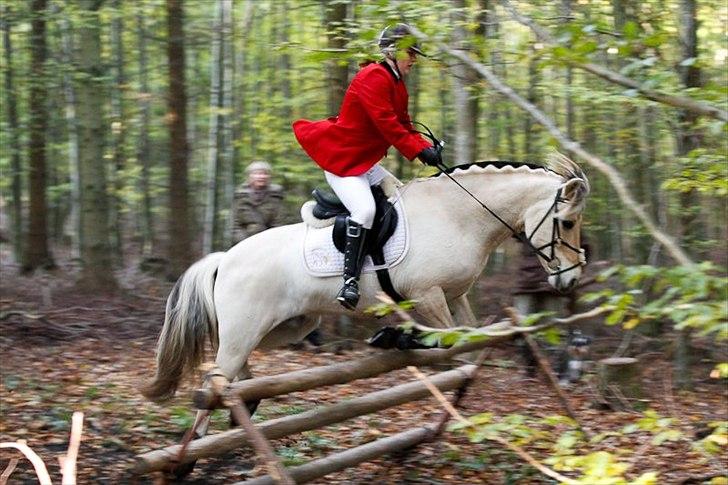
{"points": [[373, 117]]}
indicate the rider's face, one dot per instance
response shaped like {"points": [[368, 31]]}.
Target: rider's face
{"points": [[405, 61]]}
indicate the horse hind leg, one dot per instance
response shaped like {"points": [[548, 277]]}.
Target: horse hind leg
{"points": [[251, 405]]}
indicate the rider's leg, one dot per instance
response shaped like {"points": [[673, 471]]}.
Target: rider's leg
{"points": [[356, 195]]}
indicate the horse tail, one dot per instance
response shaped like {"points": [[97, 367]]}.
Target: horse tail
{"points": [[189, 319]]}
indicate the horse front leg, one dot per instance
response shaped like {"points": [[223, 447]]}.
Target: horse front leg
{"points": [[432, 307], [462, 312]]}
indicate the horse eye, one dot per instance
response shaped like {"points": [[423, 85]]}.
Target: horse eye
{"points": [[568, 224]]}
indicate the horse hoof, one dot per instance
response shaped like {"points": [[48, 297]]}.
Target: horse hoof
{"points": [[181, 471]]}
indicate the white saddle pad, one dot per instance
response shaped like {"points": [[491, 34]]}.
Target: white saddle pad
{"points": [[321, 257]]}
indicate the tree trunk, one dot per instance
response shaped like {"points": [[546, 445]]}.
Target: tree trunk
{"points": [[566, 10], [13, 135], [180, 250], [286, 68], [464, 90], [338, 72], [118, 130], [530, 152], [36, 252], [496, 122], [240, 118], [76, 236], [213, 139], [96, 252], [226, 141], [689, 138], [143, 155], [619, 382]]}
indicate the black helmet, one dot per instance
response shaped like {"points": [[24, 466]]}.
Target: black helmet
{"points": [[392, 34]]}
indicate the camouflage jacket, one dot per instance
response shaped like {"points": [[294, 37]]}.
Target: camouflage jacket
{"points": [[256, 210]]}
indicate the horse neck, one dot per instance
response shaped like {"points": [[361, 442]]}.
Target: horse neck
{"points": [[508, 192]]}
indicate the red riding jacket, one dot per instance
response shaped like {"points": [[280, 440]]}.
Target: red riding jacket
{"points": [[373, 117]]}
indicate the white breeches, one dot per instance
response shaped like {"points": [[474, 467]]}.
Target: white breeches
{"points": [[356, 194]]}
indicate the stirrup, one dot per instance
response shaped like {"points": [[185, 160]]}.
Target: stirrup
{"points": [[349, 294]]}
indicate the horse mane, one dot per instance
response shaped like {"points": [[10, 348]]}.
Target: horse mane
{"points": [[497, 164], [556, 164]]}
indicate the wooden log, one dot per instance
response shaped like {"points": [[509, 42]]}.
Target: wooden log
{"points": [[303, 380], [379, 363], [351, 457], [619, 381], [217, 444]]}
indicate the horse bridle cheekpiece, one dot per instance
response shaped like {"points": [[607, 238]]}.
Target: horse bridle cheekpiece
{"points": [[552, 261]]}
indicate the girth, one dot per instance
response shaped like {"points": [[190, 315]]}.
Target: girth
{"points": [[385, 222]]}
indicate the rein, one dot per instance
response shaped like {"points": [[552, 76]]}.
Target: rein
{"points": [[552, 261]]}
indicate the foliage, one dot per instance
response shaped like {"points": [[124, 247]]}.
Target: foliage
{"points": [[703, 171], [568, 451], [690, 297]]}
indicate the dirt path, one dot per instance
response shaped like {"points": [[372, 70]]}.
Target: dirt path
{"points": [[78, 353]]}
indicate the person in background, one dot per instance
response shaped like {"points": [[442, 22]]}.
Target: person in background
{"points": [[258, 202]]}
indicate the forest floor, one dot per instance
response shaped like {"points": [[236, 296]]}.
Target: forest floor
{"points": [[64, 351]]}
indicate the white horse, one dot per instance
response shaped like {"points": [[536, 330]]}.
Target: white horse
{"points": [[238, 298]]}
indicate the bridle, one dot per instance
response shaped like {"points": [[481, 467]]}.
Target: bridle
{"points": [[547, 252]]}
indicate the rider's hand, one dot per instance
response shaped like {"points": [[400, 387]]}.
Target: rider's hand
{"points": [[430, 156]]}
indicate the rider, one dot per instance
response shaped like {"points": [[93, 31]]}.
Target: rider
{"points": [[372, 118]]}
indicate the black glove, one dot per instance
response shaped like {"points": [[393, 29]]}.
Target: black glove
{"points": [[430, 156]]}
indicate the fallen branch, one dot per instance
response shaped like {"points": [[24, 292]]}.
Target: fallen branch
{"points": [[514, 448], [554, 383], [9, 471], [507, 327], [351, 457], [217, 444], [380, 363], [40, 469], [262, 447], [68, 467], [679, 102]]}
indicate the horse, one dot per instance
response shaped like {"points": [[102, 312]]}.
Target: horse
{"points": [[238, 299]]}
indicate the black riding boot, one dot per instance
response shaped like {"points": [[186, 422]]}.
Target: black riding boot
{"points": [[353, 261]]}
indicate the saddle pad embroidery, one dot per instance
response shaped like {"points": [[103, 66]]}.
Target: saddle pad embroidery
{"points": [[321, 258]]}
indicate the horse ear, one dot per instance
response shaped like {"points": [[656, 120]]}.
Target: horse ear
{"points": [[575, 190]]}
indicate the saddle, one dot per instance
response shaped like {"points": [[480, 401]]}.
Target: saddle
{"points": [[328, 205]]}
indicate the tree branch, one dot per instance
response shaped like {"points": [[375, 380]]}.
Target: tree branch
{"points": [[492, 437], [573, 147], [680, 102]]}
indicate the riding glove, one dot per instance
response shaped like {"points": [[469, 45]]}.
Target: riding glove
{"points": [[430, 156]]}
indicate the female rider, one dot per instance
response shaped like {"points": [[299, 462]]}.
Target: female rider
{"points": [[373, 117]]}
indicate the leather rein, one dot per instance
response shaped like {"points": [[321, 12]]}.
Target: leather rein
{"points": [[552, 261]]}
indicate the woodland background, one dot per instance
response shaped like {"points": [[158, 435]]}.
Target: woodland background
{"points": [[126, 126]]}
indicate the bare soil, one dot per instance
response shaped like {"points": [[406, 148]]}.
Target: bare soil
{"points": [[64, 351]]}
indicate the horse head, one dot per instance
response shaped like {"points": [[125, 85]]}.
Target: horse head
{"points": [[552, 226]]}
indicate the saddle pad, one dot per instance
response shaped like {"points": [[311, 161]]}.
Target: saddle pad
{"points": [[321, 258]]}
